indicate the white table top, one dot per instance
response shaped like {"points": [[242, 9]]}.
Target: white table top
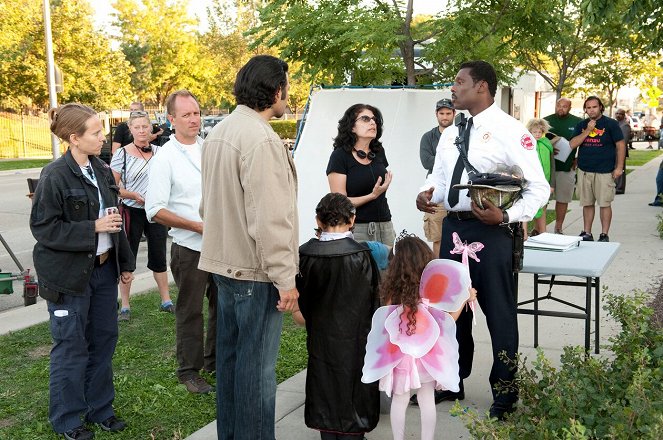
{"points": [[590, 259]]}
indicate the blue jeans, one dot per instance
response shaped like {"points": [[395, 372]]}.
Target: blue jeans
{"points": [[81, 373], [248, 333]]}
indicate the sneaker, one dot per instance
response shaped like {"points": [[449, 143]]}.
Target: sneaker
{"points": [[80, 433], [604, 237], [558, 231], [168, 308], [124, 315], [196, 385], [112, 424], [586, 236]]}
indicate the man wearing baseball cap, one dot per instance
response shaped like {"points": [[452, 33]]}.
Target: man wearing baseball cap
{"points": [[445, 112]]}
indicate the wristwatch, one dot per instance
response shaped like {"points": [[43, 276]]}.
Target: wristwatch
{"points": [[505, 218]]}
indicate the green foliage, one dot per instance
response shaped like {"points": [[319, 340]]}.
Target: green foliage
{"points": [[162, 44], [614, 396], [93, 73], [644, 17], [148, 395], [286, 129], [659, 226]]}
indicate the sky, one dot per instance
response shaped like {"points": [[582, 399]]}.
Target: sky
{"points": [[197, 8]]}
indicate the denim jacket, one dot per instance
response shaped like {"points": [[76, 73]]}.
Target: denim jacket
{"points": [[64, 210]]}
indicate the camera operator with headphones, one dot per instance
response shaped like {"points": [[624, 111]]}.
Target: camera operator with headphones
{"points": [[601, 151], [358, 169]]}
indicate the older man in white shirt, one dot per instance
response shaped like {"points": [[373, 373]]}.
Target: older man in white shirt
{"points": [[173, 198]]}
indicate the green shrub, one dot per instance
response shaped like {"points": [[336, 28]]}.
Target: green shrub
{"points": [[286, 129], [659, 227], [617, 396]]}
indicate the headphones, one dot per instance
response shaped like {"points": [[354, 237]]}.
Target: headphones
{"points": [[147, 149], [594, 98], [361, 154]]}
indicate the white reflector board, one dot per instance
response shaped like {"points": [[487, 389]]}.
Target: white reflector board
{"points": [[407, 115]]}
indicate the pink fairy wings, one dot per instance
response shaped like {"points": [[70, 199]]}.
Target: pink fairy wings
{"points": [[445, 284]]}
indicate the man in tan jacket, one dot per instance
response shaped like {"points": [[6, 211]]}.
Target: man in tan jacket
{"points": [[250, 244]]}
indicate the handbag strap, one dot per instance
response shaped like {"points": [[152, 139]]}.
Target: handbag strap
{"points": [[462, 140]]}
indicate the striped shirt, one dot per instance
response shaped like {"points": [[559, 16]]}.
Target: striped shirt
{"points": [[135, 177]]}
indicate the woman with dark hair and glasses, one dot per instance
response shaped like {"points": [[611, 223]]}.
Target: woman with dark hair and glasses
{"points": [[130, 166], [358, 169]]}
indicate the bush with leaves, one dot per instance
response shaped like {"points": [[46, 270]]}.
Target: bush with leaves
{"points": [[286, 129], [616, 396]]}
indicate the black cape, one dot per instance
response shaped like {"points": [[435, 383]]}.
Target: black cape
{"points": [[338, 288]]}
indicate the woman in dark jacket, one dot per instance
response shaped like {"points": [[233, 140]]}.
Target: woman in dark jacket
{"points": [[357, 168], [338, 295], [80, 254]]}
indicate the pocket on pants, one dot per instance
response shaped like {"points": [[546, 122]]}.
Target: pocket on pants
{"points": [[244, 290], [65, 328]]}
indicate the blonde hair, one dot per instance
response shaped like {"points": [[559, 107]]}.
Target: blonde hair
{"points": [[541, 124], [138, 115], [70, 119]]}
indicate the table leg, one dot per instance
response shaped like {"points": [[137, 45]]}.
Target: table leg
{"points": [[536, 310], [588, 312], [597, 305]]}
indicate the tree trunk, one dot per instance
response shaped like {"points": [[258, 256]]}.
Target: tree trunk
{"points": [[407, 46]]}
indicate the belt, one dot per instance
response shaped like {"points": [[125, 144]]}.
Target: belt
{"points": [[102, 258], [461, 215]]}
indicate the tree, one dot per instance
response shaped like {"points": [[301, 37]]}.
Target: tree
{"points": [[93, 73], [644, 16], [381, 41], [613, 69], [162, 44]]}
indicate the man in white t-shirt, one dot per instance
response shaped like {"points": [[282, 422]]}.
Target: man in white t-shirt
{"points": [[172, 199]]}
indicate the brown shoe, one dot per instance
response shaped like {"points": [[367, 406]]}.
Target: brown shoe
{"points": [[196, 384]]}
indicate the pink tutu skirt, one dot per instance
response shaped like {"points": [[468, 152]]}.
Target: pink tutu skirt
{"points": [[408, 375]]}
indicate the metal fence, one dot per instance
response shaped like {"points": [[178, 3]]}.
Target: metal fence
{"points": [[24, 136]]}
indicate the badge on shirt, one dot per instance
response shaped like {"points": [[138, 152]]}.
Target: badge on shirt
{"points": [[526, 142], [486, 137]]}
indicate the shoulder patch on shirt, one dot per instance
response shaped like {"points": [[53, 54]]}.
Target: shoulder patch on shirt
{"points": [[526, 142]]}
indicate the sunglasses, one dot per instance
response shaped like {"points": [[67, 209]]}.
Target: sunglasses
{"points": [[138, 114], [367, 119]]}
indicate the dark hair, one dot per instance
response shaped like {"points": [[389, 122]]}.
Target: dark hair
{"points": [[346, 139], [70, 119], [258, 81], [335, 209], [400, 284], [594, 98], [172, 98], [482, 71]]}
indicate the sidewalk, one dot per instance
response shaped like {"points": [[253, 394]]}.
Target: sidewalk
{"points": [[638, 266]]}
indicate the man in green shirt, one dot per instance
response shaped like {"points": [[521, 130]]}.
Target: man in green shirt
{"points": [[562, 123]]}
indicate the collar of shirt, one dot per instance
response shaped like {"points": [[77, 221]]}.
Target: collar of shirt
{"points": [[331, 236]]}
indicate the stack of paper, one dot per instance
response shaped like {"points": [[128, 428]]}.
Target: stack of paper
{"points": [[553, 242]]}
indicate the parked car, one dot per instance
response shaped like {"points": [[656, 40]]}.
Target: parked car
{"points": [[636, 128], [209, 122]]}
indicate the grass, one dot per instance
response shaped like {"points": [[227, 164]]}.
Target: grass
{"points": [[638, 158], [22, 164], [148, 395]]}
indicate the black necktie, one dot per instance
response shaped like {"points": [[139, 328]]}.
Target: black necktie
{"points": [[458, 169], [89, 171]]}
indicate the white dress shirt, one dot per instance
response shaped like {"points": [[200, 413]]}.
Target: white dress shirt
{"points": [[495, 137], [175, 185]]}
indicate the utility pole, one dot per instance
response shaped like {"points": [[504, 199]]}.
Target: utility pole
{"points": [[52, 94]]}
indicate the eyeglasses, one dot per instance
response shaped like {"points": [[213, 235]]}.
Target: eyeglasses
{"points": [[367, 119], [138, 114]]}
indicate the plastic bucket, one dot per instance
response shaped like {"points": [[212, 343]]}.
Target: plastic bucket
{"points": [[6, 284]]}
